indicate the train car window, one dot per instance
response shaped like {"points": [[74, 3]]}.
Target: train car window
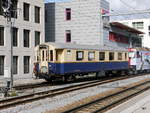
{"points": [[91, 56], [43, 56], [119, 56], [138, 54], [131, 55], [68, 52], [51, 55], [46, 56], [126, 56], [111, 56], [79, 55], [102, 56]]}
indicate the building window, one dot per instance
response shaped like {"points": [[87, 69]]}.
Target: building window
{"points": [[37, 38], [26, 64], [118, 38], [119, 56], [91, 56], [102, 56], [26, 38], [1, 36], [15, 64], [79, 55], [37, 14], [14, 8], [1, 10], [68, 13], [2, 65], [26, 10], [68, 36], [111, 56], [138, 25], [15, 36]]}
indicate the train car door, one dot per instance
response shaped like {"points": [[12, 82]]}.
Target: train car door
{"points": [[44, 57]]}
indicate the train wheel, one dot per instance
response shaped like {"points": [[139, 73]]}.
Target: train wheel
{"points": [[65, 79]]}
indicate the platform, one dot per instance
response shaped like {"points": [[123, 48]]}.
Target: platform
{"points": [[138, 104]]}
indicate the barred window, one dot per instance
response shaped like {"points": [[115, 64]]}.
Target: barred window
{"points": [[79, 55], [102, 56], [2, 65], [26, 64]]}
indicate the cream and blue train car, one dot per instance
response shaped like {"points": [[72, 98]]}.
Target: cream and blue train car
{"points": [[68, 60]]}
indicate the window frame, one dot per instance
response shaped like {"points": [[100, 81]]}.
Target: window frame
{"points": [[15, 65], [26, 42], [26, 69], [37, 40], [26, 11], [68, 14], [2, 36], [120, 56], [91, 52], [103, 54], [2, 65], [37, 11], [78, 57], [68, 36], [113, 57], [15, 36]]}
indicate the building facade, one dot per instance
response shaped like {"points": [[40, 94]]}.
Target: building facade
{"points": [[84, 22], [75, 21], [27, 32], [143, 25], [121, 35]]}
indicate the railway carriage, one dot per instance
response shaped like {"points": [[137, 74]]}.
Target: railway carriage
{"points": [[139, 60], [68, 60]]}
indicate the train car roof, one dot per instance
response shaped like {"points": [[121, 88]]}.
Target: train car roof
{"points": [[83, 47], [142, 49]]}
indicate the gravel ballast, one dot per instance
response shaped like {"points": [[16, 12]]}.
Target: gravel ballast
{"points": [[53, 103]]}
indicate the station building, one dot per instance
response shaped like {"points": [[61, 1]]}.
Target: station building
{"points": [[84, 22], [144, 26], [28, 31]]}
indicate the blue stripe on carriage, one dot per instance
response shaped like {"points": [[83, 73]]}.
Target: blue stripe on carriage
{"points": [[64, 68]]}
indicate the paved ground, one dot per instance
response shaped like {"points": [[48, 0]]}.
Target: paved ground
{"points": [[21, 81], [138, 104]]}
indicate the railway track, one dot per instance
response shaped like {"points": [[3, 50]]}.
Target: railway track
{"points": [[13, 101], [44, 84], [105, 103], [10, 102]]}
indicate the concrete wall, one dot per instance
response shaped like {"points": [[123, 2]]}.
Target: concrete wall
{"points": [[84, 25], [19, 23]]}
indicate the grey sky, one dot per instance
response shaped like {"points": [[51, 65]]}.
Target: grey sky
{"points": [[125, 5]]}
